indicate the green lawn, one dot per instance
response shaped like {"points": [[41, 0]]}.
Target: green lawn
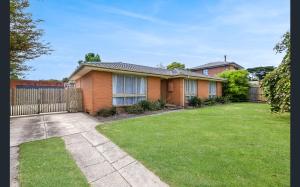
{"points": [[239, 144], [47, 163]]}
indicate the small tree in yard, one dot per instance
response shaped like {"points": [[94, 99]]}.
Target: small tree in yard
{"points": [[237, 85], [276, 84]]}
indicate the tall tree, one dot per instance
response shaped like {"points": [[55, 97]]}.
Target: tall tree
{"points": [[25, 38], [277, 84], [260, 72], [176, 65]]}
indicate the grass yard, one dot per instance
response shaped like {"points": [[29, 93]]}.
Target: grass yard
{"points": [[47, 163], [240, 144]]}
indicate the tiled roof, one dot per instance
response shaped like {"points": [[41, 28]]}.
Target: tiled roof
{"points": [[216, 64], [142, 69]]}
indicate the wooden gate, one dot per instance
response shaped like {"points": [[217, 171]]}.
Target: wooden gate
{"points": [[256, 94], [26, 101]]}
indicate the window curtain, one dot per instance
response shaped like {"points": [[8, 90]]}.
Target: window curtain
{"points": [[212, 89], [128, 89]]}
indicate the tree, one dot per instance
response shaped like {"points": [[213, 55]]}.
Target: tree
{"points": [[176, 65], [90, 57], [276, 84], [258, 73], [25, 38], [237, 85], [65, 79]]}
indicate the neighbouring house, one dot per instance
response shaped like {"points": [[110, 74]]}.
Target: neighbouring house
{"points": [[108, 84], [35, 84], [213, 68]]}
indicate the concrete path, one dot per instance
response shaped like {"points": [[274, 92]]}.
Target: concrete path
{"points": [[101, 161]]}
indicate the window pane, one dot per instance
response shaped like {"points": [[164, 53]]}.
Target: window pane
{"points": [[118, 101], [130, 85], [120, 84]]}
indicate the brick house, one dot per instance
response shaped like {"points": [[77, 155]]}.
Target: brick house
{"points": [[108, 84], [213, 68]]}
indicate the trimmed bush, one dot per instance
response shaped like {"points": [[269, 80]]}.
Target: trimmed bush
{"points": [[106, 112], [162, 103], [237, 85], [145, 104], [156, 105], [134, 109], [222, 100], [210, 101], [195, 102]]}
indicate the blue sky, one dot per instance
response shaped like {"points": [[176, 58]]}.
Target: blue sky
{"points": [[158, 31]]}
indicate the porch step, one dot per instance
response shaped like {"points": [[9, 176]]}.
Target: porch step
{"points": [[172, 107]]}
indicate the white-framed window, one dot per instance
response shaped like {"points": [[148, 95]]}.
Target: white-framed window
{"points": [[205, 72], [212, 89], [128, 89], [190, 89]]}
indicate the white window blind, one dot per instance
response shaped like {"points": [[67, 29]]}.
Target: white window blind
{"points": [[128, 89], [190, 88], [212, 89]]}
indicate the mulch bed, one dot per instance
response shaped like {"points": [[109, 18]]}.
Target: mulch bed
{"points": [[126, 115]]}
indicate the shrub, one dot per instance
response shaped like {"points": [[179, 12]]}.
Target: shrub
{"points": [[145, 104], [276, 84], [222, 99], [195, 102], [162, 103], [237, 85], [155, 105], [105, 112], [210, 101], [134, 109]]}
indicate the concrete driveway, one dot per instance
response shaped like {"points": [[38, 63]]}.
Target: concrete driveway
{"points": [[101, 161], [24, 129]]}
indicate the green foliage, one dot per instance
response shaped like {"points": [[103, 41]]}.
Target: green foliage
{"points": [[175, 65], [210, 101], [195, 102], [162, 103], [237, 85], [25, 38], [277, 85], [91, 57], [258, 73], [134, 109], [65, 79], [106, 112], [145, 104], [156, 105], [222, 100]]}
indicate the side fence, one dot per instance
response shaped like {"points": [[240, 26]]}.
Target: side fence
{"points": [[43, 100], [256, 94]]}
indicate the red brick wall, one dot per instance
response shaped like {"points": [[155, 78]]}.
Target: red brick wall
{"points": [[203, 89], [153, 88], [216, 70], [86, 84], [219, 88], [176, 96], [102, 90]]}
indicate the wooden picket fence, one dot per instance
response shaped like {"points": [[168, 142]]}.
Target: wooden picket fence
{"points": [[43, 100]]}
